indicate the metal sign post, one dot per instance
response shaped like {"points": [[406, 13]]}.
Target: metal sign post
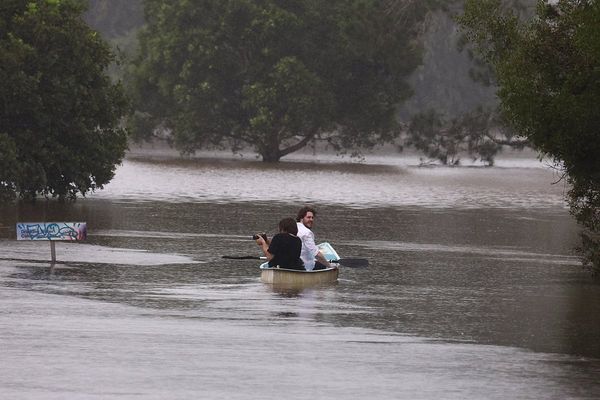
{"points": [[53, 251]]}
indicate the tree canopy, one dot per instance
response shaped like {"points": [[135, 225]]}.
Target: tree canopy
{"points": [[59, 112], [274, 74], [548, 74]]}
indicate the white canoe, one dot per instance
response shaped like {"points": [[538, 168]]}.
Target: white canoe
{"points": [[282, 276]]}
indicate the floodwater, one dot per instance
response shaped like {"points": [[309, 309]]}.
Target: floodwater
{"points": [[473, 289]]}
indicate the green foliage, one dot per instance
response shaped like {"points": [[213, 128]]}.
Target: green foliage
{"points": [[480, 70], [275, 75], [549, 80], [9, 166], [59, 113]]}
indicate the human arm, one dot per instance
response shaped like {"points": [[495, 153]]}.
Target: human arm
{"points": [[321, 258], [309, 242], [264, 246]]}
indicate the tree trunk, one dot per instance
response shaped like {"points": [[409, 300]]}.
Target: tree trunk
{"points": [[274, 153], [271, 155]]}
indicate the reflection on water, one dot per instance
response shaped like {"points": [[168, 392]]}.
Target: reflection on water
{"points": [[472, 291]]}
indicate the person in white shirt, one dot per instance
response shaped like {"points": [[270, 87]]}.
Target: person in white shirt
{"points": [[310, 254]]}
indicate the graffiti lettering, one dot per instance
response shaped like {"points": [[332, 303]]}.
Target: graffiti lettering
{"points": [[51, 231]]}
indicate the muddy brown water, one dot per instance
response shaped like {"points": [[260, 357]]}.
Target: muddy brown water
{"points": [[473, 289]]}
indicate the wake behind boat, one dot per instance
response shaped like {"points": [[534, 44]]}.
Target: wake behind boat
{"points": [[282, 276]]}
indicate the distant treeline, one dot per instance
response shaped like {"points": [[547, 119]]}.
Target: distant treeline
{"points": [[115, 18]]}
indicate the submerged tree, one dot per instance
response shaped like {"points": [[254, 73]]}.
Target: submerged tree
{"points": [[479, 134], [59, 112], [549, 87], [275, 75]]}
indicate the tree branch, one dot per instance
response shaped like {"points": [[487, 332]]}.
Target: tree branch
{"points": [[508, 142], [297, 146]]}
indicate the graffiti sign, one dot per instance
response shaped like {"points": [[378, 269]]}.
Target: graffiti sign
{"points": [[51, 231]]}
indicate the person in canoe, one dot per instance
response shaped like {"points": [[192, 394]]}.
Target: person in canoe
{"points": [[310, 255], [284, 248]]}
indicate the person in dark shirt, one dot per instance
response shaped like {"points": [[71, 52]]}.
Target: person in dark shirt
{"points": [[285, 247]]}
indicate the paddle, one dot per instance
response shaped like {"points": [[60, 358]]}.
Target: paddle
{"points": [[344, 262], [244, 257]]}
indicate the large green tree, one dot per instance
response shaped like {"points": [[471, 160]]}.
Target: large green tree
{"points": [[59, 112], [275, 75], [548, 73]]}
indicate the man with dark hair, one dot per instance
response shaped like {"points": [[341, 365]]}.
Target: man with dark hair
{"points": [[284, 248], [310, 255]]}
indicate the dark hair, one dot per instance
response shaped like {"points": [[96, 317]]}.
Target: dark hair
{"points": [[288, 225], [303, 211]]}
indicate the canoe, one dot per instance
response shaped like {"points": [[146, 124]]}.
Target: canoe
{"points": [[283, 276]]}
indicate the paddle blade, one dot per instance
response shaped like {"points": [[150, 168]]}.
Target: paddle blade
{"points": [[353, 262], [243, 257]]}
